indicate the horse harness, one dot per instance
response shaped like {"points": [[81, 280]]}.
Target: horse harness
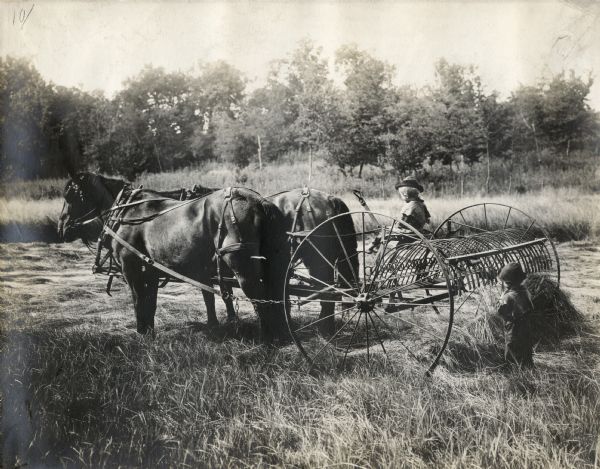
{"points": [[123, 201]]}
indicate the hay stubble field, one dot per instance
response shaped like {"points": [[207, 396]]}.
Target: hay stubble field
{"points": [[82, 389]]}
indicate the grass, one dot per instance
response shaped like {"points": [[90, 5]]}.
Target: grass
{"points": [[566, 213], [81, 389], [98, 400]]}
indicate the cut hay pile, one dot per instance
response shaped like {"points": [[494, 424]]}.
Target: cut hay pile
{"points": [[480, 344], [555, 316]]}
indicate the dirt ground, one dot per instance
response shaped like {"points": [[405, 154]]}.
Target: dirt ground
{"points": [[52, 285]]}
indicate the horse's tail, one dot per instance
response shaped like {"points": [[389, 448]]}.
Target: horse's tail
{"points": [[345, 226], [274, 244], [274, 247]]}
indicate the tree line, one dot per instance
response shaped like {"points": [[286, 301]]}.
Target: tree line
{"points": [[164, 120]]}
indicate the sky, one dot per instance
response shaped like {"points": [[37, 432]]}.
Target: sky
{"points": [[98, 45]]}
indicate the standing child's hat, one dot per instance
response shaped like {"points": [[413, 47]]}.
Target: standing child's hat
{"points": [[512, 273], [409, 181]]}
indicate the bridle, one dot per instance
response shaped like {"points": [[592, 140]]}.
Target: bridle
{"points": [[91, 216]]}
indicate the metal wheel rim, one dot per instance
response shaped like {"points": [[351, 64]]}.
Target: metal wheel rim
{"points": [[435, 254]]}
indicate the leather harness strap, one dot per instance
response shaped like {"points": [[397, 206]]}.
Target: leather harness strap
{"points": [[148, 217], [304, 199], [111, 226], [229, 194]]}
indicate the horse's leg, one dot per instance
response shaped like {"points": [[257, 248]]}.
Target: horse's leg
{"points": [[143, 283], [231, 314], [211, 314], [250, 275]]}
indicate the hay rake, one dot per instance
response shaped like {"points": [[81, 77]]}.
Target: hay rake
{"points": [[408, 297]]}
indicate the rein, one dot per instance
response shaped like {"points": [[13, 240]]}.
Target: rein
{"points": [[110, 228]]}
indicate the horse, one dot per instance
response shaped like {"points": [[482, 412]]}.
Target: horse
{"points": [[333, 254], [237, 231], [92, 230]]}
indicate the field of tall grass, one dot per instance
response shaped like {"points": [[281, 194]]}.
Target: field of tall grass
{"points": [[568, 214], [97, 400], [79, 388]]}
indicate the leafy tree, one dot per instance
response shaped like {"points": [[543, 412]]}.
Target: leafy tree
{"points": [[414, 125], [234, 140], [24, 120], [527, 103], [567, 118], [367, 83], [167, 106], [219, 89], [314, 96], [460, 93]]}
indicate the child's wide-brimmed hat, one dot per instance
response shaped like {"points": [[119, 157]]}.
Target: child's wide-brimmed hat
{"points": [[409, 181], [512, 273]]}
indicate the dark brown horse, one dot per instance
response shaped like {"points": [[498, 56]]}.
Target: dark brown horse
{"points": [[90, 231], [247, 230], [333, 254]]}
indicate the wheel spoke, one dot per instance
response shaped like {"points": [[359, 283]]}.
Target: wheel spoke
{"points": [[470, 226], [396, 335], [306, 326], [400, 288], [345, 254], [336, 334], [487, 228], [327, 261], [377, 333], [350, 341], [364, 265], [330, 286], [415, 325], [367, 333]]}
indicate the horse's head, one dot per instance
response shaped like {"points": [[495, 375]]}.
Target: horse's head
{"points": [[86, 196]]}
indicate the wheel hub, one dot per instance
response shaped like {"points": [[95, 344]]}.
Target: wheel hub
{"points": [[364, 303]]}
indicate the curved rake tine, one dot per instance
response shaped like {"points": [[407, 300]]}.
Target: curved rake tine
{"points": [[380, 259]]}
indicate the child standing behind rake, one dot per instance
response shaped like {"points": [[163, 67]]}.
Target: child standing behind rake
{"points": [[516, 309]]}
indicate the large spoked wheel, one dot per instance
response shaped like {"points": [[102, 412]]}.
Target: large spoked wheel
{"points": [[363, 288], [498, 224], [502, 234]]}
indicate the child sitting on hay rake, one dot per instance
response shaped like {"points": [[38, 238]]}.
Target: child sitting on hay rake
{"points": [[414, 211], [516, 309]]}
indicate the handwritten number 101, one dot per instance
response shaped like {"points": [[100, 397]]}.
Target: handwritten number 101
{"points": [[22, 16]]}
